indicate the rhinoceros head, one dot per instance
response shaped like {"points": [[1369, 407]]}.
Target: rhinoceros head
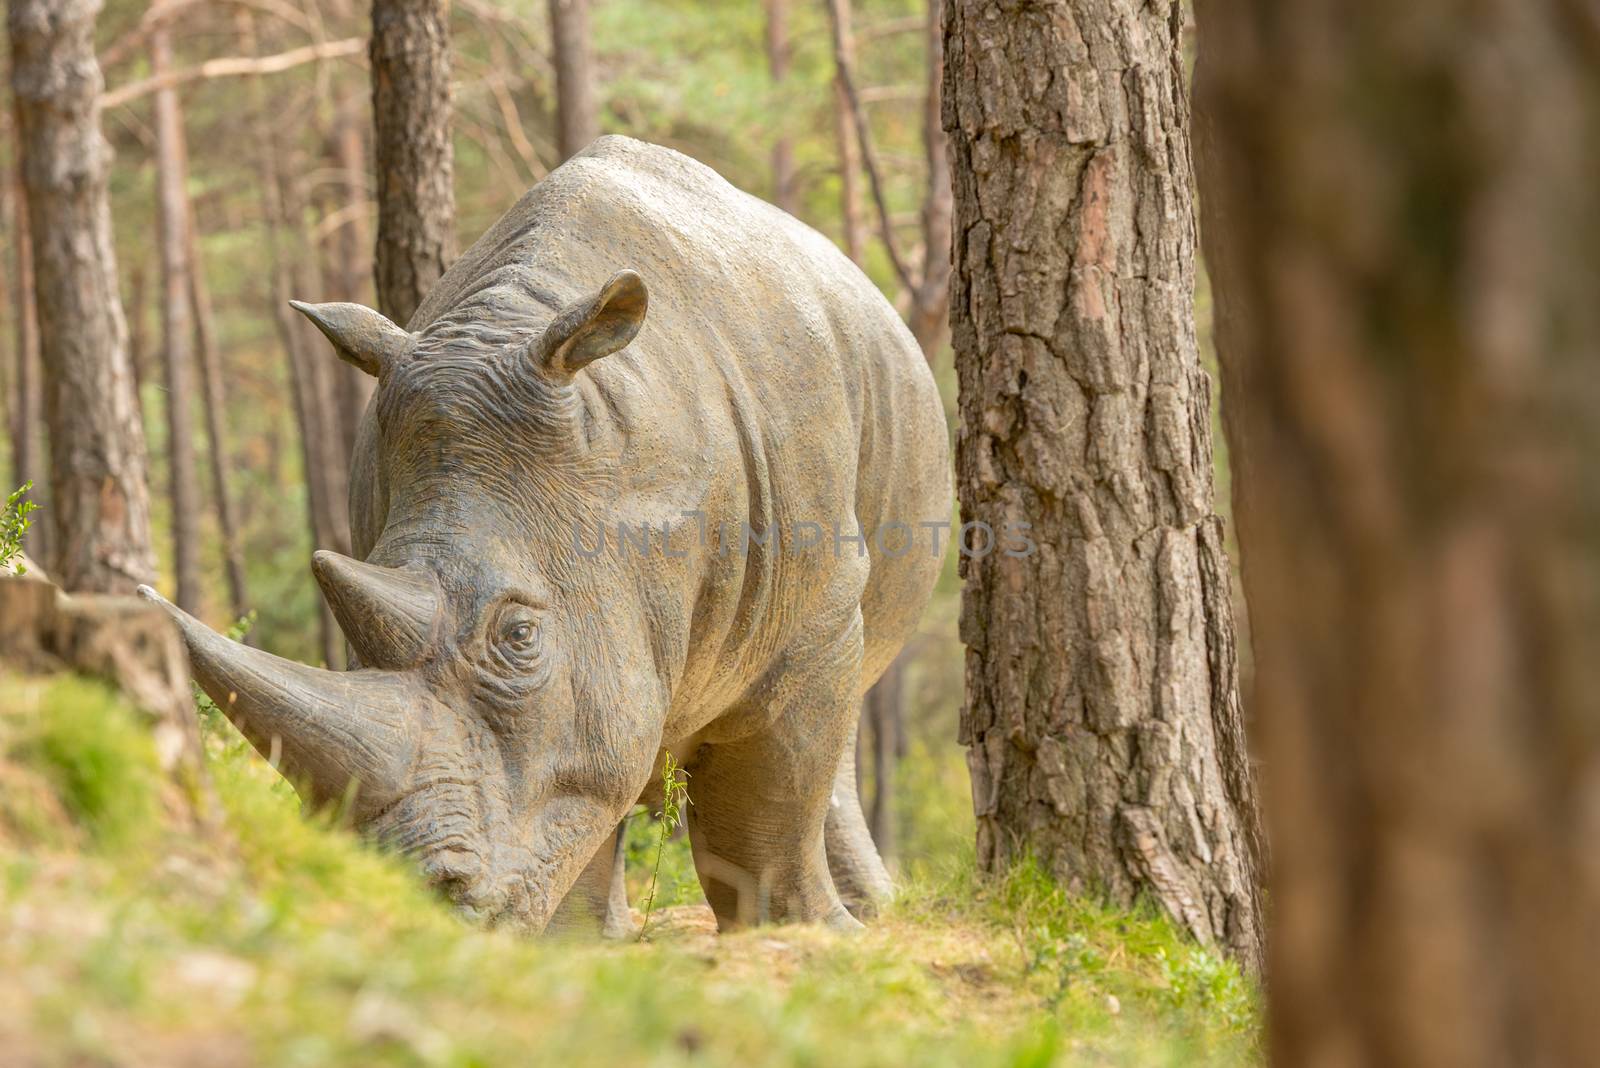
{"points": [[503, 710]]}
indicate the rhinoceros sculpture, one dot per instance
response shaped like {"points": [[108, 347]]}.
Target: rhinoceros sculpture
{"points": [[622, 490]]}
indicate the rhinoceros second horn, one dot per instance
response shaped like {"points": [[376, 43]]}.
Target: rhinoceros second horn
{"points": [[387, 613]]}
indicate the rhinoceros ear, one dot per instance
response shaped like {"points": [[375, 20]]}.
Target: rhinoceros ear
{"points": [[595, 326], [360, 335]]}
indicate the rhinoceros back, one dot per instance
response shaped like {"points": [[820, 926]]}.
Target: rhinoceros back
{"points": [[766, 356]]}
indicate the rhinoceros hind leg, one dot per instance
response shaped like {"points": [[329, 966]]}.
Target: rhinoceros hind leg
{"points": [[858, 872], [760, 801]]}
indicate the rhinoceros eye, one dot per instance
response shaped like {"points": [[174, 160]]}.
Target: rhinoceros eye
{"points": [[517, 635]]}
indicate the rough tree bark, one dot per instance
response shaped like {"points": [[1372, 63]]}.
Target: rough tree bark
{"points": [[1405, 242], [1102, 710], [177, 327], [413, 157], [99, 503], [27, 407], [577, 106], [778, 57]]}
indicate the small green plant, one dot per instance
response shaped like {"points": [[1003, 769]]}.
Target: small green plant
{"points": [[14, 523], [674, 799]]}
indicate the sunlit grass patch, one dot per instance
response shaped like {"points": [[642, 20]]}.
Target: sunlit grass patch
{"points": [[286, 940]]}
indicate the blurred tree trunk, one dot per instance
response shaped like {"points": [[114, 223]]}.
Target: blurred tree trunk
{"points": [[214, 395], [413, 157], [927, 285], [1102, 709], [27, 407], [844, 130], [99, 501], [577, 102], [928, 289], [1408, 327], [930, 303], [138, 335], [778, 55], [326, 512], [885, 713], [177, 326], [353, 257]]}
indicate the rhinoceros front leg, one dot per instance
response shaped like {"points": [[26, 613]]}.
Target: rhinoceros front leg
{"points": [[759, 801], [599, 899]]}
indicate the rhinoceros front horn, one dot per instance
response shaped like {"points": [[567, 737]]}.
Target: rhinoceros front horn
{"points": [[388, 614], [328, 730]]}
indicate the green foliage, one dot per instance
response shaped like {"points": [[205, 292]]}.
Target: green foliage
{"points": [[14, 524], [674, 799], [94, 752], [671, 868]]}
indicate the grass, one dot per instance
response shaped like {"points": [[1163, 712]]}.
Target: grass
{"points": [[286, 941]]}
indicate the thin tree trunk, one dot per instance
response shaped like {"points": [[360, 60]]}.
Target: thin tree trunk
{"points": [[214, 393], [99, 502], [926, 284], [138, 335], [177, 328], [885, 711], [1102, 711], [844, 132], [413, 158], [1405, 240], [778, 56], [355, 387], [321, 510], [930, 302], [577, 102], [27, 411]]}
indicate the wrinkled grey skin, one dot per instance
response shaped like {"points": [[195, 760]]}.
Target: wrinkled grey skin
{"points": [[634, 341]]}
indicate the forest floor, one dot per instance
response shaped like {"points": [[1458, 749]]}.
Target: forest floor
{"points": [[127, 937]]}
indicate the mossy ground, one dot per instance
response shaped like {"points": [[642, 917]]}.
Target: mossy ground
{"points": [[126, 938]]}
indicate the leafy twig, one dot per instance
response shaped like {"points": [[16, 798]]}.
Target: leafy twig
{"points": [[14, 523], [674, 799]]}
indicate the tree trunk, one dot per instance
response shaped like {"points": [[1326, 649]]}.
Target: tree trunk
{"points": [[214, 394], [1102, 709], [355, 387], [1400, 204], [138, 336], [577, 106], [414, 161], [885, 715], [844, 132], [576, 101], [324, 511], [778, 55], [929, 317], [27, 409], [177, 327], [99, 502]]}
